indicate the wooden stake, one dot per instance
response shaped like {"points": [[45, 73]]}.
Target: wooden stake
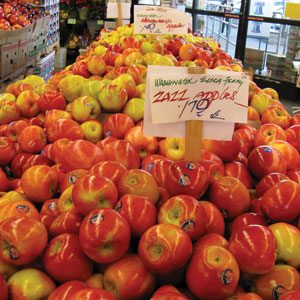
{"points": [[193, 130], [120, 17]]}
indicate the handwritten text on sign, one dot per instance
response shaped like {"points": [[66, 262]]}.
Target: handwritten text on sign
{"points": [[207, 97], [168, 22]]}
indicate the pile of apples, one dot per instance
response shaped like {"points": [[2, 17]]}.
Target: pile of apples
{"points": [[91, 208], [17, 14]]}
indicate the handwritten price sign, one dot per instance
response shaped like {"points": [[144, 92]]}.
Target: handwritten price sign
{"points": [[158, 22], [207, 97]]}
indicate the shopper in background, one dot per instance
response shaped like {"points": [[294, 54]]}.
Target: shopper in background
{"points": [[227, 7]]}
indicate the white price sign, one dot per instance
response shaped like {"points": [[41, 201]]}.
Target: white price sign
{"points": [[161, 22], [218, 97]]}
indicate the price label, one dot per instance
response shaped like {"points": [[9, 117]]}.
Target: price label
{"points": [[71, 21], [161, 22], [207, 97]]}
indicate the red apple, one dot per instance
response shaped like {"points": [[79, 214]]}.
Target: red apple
{"points": [[27, 102], [139, 182], [267, 133], [14, 129], [30, 283], [186, 213], [64, 128], [87, 155], [186, 178], [3, 289], [51, 99], [32, 139], [281, 202], [64, 260], [212, 273], [247, 219], [264, 160], [54, 115], [67, 290], [239, 171], [104, 235], [71, 177], [210, 239], [110, 169], [123, 152], [294, 175], [36, 159], [22, 240], [254, 248], [144, 145], [226, 150], [276, 114], [139, 212], [164, 248], [7, 150], [158, 169], [175, 44], [3, 181], [279, 280], [224, 190], [214, 219], [117, 125], [187, 52], [290, 153], [66, 222], [118, 279], [40, 183], [291, 295], [92, 192], [268, 181], [293, 136], [92, 294], [17, 209]]}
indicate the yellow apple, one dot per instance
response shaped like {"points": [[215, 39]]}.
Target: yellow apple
{"points": [[85, 108], [175, 148], [71, 86], [7, 97], [288, 243], [140, 90], [92, 131], [261, 102], [34, 80], [91, 88], [150, 57], [100, 50]]}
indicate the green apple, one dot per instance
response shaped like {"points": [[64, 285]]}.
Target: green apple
{"points": [[134, 108], [92, 131]]}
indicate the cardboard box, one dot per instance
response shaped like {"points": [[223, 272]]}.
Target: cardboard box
{"points": [[15, 36], [9, 55], [23, 53]]}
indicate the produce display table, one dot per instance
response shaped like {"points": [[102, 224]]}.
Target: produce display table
{"points": [[92, 208]]}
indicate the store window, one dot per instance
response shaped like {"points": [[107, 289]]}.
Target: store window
{"points": [[229, 6], [222, 29]]}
